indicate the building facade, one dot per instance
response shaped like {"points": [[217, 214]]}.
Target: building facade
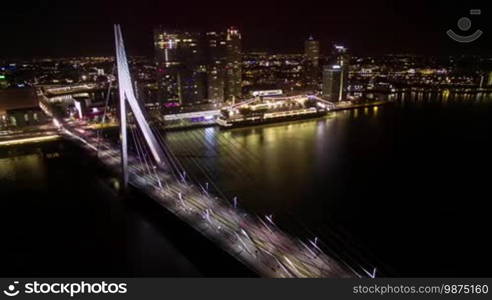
{"points": [[335, 76], [333, 83], [216, 43], [215, 82], [233, 72], [311, 63], [311, 51], [181, 66]]}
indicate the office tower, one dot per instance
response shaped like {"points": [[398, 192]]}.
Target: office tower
{"points": [[311, 63], [215, 82], [224, 65], [193, 68], [335, 76], [165, 45], [342, 59], [180, 66], [216, 45], [333, 83], [311, 51], [341, 55], [233, 70]]}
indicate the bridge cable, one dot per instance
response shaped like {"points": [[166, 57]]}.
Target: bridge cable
{"points": [[106, 105]]}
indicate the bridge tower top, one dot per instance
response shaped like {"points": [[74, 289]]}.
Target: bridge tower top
{"points": [[127, 95]]}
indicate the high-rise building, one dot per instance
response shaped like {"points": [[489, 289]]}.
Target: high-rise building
{"points": [[216, 45], [193, 68], [333, 85], [342, 59], [335, 76], [215, 82], [216, 52], [311, 63], [224, 65], [311, 51], [180, 65], [168, 64], [341, 56], [233, 70]]}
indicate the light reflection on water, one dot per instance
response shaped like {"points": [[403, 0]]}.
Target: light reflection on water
{"points": [[352, 170], [59, 216], [392, 178], [28, 168]]}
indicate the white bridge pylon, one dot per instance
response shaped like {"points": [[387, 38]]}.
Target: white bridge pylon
{"points": [[127, 94]]}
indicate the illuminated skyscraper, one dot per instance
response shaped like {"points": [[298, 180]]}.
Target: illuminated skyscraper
{"points": [[233, 70], [215, 82], [224, 65], [216, 45], [342, 58], [311, 51], [216, 52], [311, 63], [193, 68], [180, 66], [333, 86], [335, 77]]}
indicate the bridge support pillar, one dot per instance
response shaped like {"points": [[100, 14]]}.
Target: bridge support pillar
{"points": [[127, 95]]}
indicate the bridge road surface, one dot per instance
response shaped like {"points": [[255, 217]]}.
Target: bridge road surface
{"points": [[260, 245]]}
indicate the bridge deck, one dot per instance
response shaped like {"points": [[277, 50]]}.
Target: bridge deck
{"points": [[258, 244]]}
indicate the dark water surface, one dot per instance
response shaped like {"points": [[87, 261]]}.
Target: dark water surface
{"points": [[61, 216], [404, 185]]}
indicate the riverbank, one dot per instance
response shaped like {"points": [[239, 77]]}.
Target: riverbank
{"points": [[346, 105], [28, 135]]}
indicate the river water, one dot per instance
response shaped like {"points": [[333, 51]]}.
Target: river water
{"points": [[61, 215], [402, 187]]}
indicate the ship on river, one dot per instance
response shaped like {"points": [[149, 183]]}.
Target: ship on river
{"points": [[263, 110]]}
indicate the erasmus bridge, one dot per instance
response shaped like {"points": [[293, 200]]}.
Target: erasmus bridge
{"points": [[146, 163]]}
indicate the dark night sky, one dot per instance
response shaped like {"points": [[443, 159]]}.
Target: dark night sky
{"points": [[71, 28]]}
